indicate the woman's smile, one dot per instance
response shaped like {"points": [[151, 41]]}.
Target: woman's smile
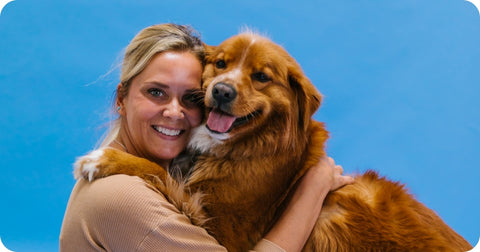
{"points": [[168, 131]]}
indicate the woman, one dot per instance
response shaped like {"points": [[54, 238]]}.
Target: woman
{"points": [[157, 109]]}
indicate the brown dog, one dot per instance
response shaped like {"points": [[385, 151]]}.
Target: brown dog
{"points": [[258, 140]]}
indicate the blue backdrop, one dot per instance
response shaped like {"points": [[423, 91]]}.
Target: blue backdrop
{"points": [[401, 81]]}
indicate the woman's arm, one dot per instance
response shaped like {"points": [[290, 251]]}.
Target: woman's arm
{"points": [[290, 232], [297, 221], [123, 213]]}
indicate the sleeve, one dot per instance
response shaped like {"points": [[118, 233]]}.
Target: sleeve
{"points": [[123, 213]]}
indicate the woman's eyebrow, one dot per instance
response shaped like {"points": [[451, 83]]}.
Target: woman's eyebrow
{"points": [[157, 83]]}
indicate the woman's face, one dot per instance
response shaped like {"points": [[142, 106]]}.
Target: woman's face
{"points": [[159, 111]]}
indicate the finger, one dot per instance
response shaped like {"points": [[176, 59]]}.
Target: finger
{"points": [[343, 181], [330, 161], [349, 180], [339, 169]]}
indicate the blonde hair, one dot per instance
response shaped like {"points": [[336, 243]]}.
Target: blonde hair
{"points": [[143, 47]]}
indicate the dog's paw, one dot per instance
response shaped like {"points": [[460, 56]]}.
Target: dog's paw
{"points": [[86, 166]]}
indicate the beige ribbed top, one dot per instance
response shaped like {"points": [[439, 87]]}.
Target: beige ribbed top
{"points": [[123, 213]]}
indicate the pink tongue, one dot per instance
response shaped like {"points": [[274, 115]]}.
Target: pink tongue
{"points": [[220, 122]]}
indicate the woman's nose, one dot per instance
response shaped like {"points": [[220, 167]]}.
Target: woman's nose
{"points": [[174, 110]]}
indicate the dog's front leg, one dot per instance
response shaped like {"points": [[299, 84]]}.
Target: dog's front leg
{"points": [[108, 161]]}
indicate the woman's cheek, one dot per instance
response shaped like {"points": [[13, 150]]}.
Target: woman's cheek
{"points": [[196, 118]]}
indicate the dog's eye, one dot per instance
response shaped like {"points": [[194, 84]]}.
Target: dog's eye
{"points": [[260, 76], [193, 99], [221, 64]]}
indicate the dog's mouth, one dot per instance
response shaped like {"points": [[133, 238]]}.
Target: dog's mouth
{"points": [[221, 122]]}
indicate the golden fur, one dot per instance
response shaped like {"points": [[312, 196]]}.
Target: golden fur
{"points": [[245, 175]]}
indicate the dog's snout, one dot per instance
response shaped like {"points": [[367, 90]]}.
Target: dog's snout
{"points": [[223, 93]]}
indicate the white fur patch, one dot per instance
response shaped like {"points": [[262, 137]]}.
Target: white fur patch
{"points": [[86, 166], [203, 140], [219, 136]]}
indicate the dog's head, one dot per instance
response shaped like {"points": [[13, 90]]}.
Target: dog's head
{"points": [[254, 88]]}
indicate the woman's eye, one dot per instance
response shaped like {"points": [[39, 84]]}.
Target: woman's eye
{"points": [[156, 92], [221, 64], [260, 76]]}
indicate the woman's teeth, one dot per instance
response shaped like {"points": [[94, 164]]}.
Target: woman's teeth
{"points": [[168, 132]]}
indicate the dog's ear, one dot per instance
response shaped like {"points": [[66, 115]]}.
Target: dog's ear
{"points": [[308, 97], [209, 49]]}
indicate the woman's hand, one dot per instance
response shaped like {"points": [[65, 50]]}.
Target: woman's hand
{"points": [[327, 172]]}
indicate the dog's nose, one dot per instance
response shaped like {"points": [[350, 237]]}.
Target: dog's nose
{"points": [[223, 93]]}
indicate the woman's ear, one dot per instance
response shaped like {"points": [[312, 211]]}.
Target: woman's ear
{"points": [[119, 104]]}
